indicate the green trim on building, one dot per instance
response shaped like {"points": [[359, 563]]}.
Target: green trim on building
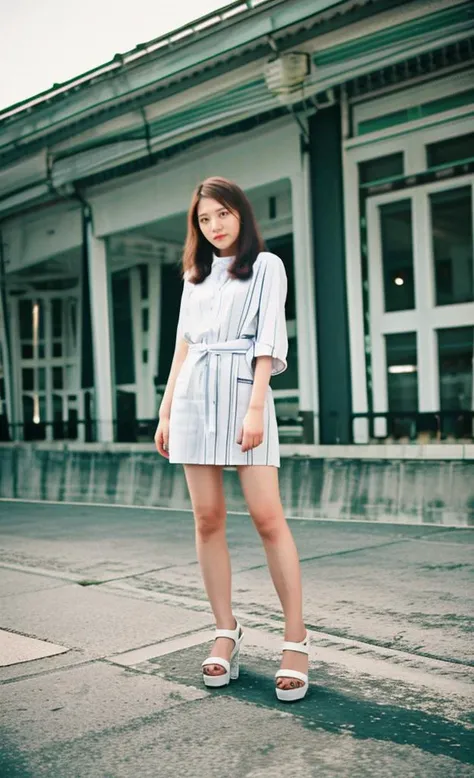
{"points": [[441, 20], [203, 111], [415, 112]]}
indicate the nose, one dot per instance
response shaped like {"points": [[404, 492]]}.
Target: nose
{"points": [[216, 226]]}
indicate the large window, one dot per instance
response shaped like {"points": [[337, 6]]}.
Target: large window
{"points": [[409, 206], [455, 354], [451, 230], [122, 328], [421, 295], [455, 361], [450, 150], [397, 255], [381, 168], [49, 366], [402, 374]]}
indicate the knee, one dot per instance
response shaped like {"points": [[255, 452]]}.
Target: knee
{"points": [[209, 521], [269, 526]]}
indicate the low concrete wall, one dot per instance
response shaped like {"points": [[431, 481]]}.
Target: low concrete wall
{"points": [[407, 490]]}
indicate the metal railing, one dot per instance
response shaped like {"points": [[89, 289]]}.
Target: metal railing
{"points": [[416, 426], [389, 427]]}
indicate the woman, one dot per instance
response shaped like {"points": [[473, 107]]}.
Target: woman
{"points": [[218, 410]]}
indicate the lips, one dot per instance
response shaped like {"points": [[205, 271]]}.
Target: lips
{"points": [[219, 237]]}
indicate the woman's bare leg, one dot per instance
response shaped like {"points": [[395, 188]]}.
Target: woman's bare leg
{"points": [[262, 495], [205, 484]]}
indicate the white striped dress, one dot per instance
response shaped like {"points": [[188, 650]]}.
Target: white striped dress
{"points": [[227, 323]]}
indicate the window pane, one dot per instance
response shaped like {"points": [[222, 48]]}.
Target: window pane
{"points": [[402, 376], [397, 255], [57, 406], [70, 378], [145, 319], [455, 354], [57, 378], [57, 311], [38, 309], [380, 168], [42, 408], [122, 329], [27, 351], [42, 379], [57, 349], [27, 408], [451, 226], [451, 150], [72, 327], [27, 376], [26, 320]]}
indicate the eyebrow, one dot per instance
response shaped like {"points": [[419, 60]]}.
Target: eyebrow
{"points": [[221, 208]]}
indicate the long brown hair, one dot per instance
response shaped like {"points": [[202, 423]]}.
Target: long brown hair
{"points": [[197, 255]]}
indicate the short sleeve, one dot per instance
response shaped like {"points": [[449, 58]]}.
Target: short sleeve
{"points": [[271, 337], [184, 314]]}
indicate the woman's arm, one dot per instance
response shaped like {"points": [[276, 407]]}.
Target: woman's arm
{"points": [[180, 354], [251, 435], [261, 379]]}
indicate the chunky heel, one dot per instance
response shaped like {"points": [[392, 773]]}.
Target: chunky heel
{"points": [[231, 668], [234, 666]]}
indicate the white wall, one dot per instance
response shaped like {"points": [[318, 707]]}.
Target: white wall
{"points": [[32, 239], [251, 160]]}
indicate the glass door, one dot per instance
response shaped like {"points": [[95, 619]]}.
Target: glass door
{"points": [[49, 366], [421, 310]]}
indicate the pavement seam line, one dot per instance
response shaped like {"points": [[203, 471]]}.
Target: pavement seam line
{"points": [[47, 671], [290, 517], [270, 620], [333, 554], [45, 573]]}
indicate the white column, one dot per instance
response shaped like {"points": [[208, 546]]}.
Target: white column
{"points": [[472, 222], [7, 368], [101, 335], [154, 286], [355, 306], [427, 356], [81, 432], [305, 293], [16, 378], [48, 332], [376, 316]]}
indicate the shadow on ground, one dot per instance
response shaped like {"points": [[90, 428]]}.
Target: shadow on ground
{"points": [[326, 709]]}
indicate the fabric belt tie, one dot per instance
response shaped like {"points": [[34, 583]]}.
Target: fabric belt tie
{"points": [[202, 359]]}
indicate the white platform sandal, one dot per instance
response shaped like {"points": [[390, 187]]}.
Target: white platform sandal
{"points": [[291, 695], [231, 668]]}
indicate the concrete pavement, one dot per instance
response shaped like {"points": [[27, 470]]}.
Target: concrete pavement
{"points": [[115, 596]]}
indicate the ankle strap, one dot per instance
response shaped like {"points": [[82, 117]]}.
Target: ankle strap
{"points": [[302, 648], [232, 634]]}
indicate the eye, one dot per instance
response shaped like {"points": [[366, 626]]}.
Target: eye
{"points": [[203, 220], [224, 213]]}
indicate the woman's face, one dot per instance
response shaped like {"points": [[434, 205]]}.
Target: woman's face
{"points": [[220, 226]]}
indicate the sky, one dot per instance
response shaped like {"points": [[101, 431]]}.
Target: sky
{"points": [[43, 42]]}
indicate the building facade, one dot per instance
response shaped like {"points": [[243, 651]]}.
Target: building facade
{"points": [[360, 170]]}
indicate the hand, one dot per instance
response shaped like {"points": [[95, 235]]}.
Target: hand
{"points": [[162, 436], [251, 434]]}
